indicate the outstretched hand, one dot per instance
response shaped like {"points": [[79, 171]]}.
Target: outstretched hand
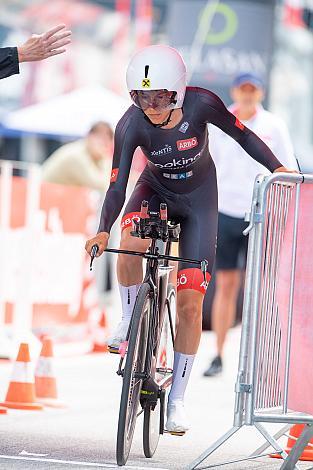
{"points": [[42, 46]]}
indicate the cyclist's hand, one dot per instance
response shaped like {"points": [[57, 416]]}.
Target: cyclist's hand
{"points": [[101, 239], [282, 169]]}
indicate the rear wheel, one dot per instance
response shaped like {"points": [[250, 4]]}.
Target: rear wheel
{"points": [[134, 366], [154, 417]]}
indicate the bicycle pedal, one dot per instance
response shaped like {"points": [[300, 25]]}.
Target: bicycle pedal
{"points": [[175, 433], [113, 350]]}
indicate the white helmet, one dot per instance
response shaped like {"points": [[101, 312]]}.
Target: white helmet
{"points": [[158, 68]]}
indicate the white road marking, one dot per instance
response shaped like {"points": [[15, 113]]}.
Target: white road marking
{"points": [[73, 462], [32, 454]]}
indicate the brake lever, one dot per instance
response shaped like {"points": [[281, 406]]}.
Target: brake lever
{"points": [[204, 267], [94, 251]]}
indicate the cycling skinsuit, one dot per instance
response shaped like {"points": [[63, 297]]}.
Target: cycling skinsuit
{"points": [[179, 172]]}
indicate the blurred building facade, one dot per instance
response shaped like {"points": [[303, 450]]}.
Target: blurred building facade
{"points": [[291, 91]]}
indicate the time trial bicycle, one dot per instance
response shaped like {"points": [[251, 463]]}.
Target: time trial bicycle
{"points": [[146, 363]]}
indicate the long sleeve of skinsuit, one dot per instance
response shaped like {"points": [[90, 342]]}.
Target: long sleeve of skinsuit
{"points": [[212, 110], [125, 143], [9, 64]]}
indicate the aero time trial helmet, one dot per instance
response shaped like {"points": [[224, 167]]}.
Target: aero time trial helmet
{"points": [[157, 68]]}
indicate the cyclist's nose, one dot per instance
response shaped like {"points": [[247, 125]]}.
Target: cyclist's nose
{"points": [[150, 101]]}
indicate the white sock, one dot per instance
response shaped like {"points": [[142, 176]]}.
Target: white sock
{"points": [[128, 296], [181, 373]]}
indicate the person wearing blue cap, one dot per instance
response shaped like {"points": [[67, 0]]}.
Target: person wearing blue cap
{"points": [[235, 176], [248, 78]]}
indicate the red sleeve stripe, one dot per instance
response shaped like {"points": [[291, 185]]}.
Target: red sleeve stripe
{"points": [[114, 174], [239, 124]]}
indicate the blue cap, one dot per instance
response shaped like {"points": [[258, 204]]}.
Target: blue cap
{"points": [[248, 78]]}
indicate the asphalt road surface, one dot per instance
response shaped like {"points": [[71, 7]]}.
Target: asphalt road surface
{"points": [[83, 435]]}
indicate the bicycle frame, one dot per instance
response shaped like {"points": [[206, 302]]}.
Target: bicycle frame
{"points": [[157, 277], [157, 228]]}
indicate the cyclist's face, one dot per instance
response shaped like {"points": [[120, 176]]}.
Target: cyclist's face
{"points": [[155, 103], [247, 95]]}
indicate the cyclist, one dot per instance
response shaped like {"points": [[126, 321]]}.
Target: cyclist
{"points": [[169, 122]]}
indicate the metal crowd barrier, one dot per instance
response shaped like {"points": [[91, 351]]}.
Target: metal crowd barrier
{"points": [[261, 389]]}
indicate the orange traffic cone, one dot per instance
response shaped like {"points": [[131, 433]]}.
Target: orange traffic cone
{"points": [[21, 391], [294, 433], [99, 335], [45, 380]]}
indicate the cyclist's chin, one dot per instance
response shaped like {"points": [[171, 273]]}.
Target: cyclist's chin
{"points": [[157, 117]]}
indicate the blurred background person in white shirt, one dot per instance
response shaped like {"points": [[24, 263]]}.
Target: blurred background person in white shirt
{"points": [[235, 176]]}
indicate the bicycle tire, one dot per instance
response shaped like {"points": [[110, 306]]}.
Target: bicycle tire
{"points": [[135, 360], [152, 417]]}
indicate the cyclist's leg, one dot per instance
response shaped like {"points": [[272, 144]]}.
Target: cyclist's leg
{"points": [[198, 241], [129, 268]]}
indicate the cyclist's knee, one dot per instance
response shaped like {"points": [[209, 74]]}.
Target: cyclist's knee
{"points": [[189, 305], [128, 242]]}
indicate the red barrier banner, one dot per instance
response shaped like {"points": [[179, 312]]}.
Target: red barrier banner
{"points": [[44, 267], [301, 368]]}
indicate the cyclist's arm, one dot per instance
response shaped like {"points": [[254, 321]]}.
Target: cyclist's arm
{"points": [[125, 143], [213, 110], [9, 64]]}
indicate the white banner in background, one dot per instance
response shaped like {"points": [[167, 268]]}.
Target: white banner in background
{"points": [[50, 264]]}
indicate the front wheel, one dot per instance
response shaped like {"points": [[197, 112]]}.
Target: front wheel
{"points": [[151, 429], [134, 367], [154, 417]]}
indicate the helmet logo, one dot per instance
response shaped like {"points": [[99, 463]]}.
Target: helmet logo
{"points": [[146, 83]]}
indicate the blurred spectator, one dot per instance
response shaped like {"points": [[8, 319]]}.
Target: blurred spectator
{"points": [[86, 162], [236, 175], [37, 47]]}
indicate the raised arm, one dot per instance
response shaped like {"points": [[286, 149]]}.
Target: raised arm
{"points": [[37, 47], [9, 64], [212, 110]]}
